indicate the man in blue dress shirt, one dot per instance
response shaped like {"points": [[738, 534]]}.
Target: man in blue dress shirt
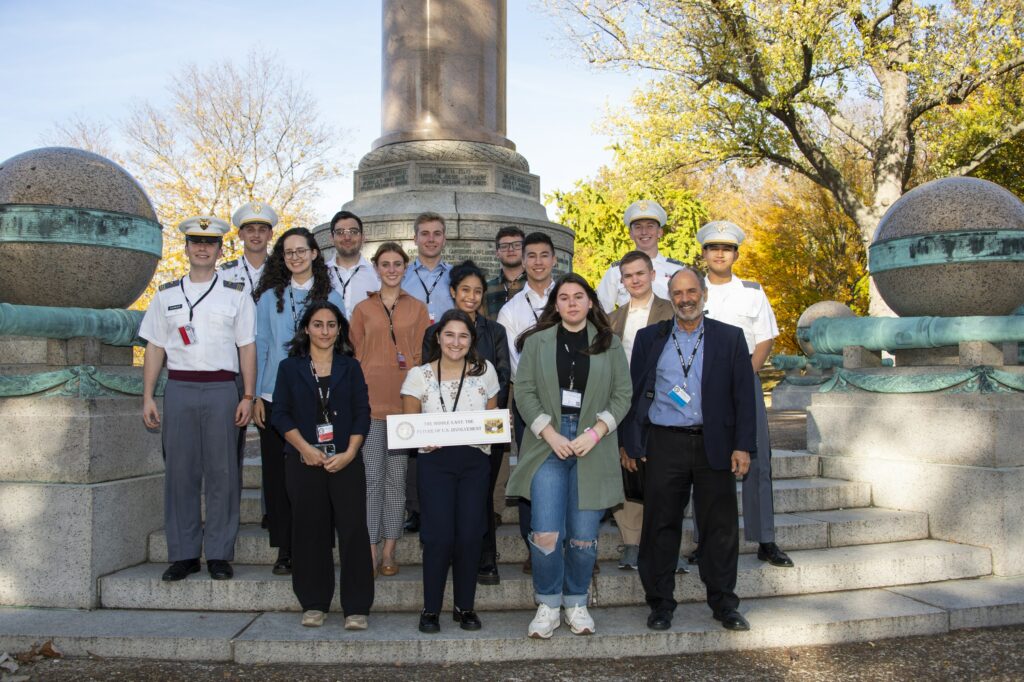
{"points": [[693, 423], [426, 278]]}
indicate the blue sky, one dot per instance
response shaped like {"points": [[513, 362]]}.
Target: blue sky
{"points": [[64, 58]]}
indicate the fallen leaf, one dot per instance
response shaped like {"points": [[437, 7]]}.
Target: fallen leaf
{"points": [[49, 650]]}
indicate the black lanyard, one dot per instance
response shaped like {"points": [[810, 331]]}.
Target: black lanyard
{"points": [[532, 309], [458, 394], [296, 315], [189, 303], [572, 365], [391, 320], [428, 292], [687, 365], [344, 283], [245, 267], [324, 397]]}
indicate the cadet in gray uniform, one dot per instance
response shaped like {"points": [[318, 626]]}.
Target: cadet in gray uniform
{"points": [[205, 327], [743, 304]]}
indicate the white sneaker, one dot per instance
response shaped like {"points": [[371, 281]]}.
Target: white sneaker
{"points": [[579, 620], [544, 623]]}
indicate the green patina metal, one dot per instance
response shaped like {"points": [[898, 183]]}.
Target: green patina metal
{"points": [[982, 379], [817, 361], [984, 246], [62, 225], [831, 335], [113, 326], [82, 381]]}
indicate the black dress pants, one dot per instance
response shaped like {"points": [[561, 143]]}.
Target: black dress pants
{"points": [[275, 492], [326, 503], [675, 461], [490, 545], [452, 483]]}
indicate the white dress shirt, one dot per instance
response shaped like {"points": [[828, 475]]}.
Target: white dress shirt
{"points": [[611, 293], [744, 305], [520, 313], [355, 283]]}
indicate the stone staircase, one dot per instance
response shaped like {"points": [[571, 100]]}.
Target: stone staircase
{"points": [[861, 572]]}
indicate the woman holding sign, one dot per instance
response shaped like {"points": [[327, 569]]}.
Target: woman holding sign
{"points": [[387, 332], [572, 389], [322, 408], [453, 480]]}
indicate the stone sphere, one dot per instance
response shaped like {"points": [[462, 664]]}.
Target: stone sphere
{"points": [[814, 312], [951, 247], [76, 230]]}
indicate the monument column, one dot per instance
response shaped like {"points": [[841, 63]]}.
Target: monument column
{"points": [[443, 146]]}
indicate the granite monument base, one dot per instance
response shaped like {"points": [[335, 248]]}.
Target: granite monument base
{"points": [[956, 456]]}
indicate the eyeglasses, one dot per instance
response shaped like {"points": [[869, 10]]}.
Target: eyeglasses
{"points": [[510, 246], [347, 231], [297, 253]]}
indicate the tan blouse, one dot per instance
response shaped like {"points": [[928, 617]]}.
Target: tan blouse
{"points": [[377, 353]]}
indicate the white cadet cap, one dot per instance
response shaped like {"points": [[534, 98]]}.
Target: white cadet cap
{"points": [[720, 232], [651, 210], [204, 226], [254, 212]]}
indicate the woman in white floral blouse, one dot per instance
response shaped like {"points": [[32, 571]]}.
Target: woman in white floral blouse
{"points": [[453, 481]]}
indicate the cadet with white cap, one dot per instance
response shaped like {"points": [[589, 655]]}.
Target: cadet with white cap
{"points": [[646, 222], [205, 327], [255, 222], [744, 304]]}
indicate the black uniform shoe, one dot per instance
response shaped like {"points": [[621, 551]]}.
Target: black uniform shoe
{"points": [[467, 620], [659, 620], [283, 565], [412, 524], [220, 569], [264, 524], [180, 570], [429, 623], [487, 573], [732, 620], [770, 552]]}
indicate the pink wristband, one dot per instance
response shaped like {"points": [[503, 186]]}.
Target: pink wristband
{"points": [[593, 434]]}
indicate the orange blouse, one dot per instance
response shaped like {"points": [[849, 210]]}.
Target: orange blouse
{"points": [[370, 332]]}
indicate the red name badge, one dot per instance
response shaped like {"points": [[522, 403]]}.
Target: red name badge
{"points": [[324, 433], [188, 334]]}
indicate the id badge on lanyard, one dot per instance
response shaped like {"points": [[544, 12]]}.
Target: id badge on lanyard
{"points": [[188, 334]]}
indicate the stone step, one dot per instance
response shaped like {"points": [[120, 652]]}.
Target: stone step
{"points": [[392, 639], [785, 464], [254, 588], [810, 530], [791, 495]]}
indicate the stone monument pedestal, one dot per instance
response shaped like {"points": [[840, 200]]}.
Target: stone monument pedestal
{"points": [[81, 479], [956, 455]]}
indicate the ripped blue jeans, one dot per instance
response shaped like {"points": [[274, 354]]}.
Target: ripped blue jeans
{"points": [[562, 571]]}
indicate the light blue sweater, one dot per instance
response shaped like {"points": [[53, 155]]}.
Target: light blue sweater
{"points": [[275, 329]]}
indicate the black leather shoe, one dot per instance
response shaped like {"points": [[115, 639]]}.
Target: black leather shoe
{"points": [[659, 620], [180, 570], [283, 565], [694, 557], [220, 569], [264, 524], [429, 623], [412, 524], [487, 573], [770, 552], [732, 620], [467, 620]]}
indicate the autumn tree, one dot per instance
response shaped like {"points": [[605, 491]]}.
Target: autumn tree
{"points": [[595, 208], [228, 134], [797, 83]]}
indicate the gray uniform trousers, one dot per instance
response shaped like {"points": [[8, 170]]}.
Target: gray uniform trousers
{"points": [[200, 442], [758, 505]]}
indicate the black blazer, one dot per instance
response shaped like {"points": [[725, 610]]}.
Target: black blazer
{"points": [[491, 344], [297, 401], [727, 391]]}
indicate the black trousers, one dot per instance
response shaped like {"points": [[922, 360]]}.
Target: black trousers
{"points": [[525, 510], [490, 544], [275, 492], [452, 483], [326, 503], [675, 461]]}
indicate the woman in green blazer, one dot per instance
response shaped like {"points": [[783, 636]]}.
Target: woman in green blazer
{"points": [[572, 389]]}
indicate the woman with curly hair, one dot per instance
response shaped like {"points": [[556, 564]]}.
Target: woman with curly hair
{"points": [[572, 388], [296, 274]]}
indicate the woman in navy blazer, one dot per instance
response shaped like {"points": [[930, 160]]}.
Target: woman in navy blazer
{"points": [[322, 408]]}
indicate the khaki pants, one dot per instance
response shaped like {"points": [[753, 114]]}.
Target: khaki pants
{"points": [[630, 518]]}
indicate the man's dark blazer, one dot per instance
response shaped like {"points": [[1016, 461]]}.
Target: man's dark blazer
{"points": [[491, 344], [297, 401], [726, 387]]}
